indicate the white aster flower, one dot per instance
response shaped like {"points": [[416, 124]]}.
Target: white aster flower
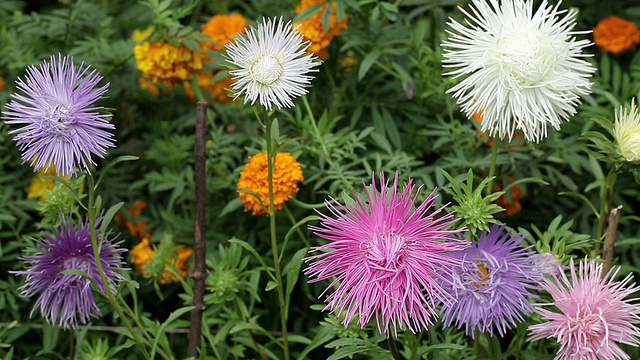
{"points": [[627, 132], [271, 64], [522, 69]]}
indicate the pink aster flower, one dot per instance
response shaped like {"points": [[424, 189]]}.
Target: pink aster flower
{"points": [[594, 315], [386, 257]]}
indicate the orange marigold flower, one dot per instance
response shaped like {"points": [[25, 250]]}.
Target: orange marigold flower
{"points": [[143, 254], [1, 83], [287, 173], [216, 89], [510, 203], [222, 28], [313, 30], [616, 35], [138, 229], [163, 62]]}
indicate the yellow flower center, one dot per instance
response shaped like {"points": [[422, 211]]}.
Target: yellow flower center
{"points": [[266, 69], [483, 276]]}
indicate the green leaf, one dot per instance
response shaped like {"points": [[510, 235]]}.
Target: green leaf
{"points": [[367, 62], [292, 272], [172, 317], [253, 252], [271, 285], [108, 216], [231, 206]]}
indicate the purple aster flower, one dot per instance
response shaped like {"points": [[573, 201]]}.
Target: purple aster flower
{"points": [[66, 300], [492, 286], [385, 257], [589, 314], [62, 126]]}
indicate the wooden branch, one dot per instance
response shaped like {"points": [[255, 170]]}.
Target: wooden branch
{"points": [[610, 239], [199, 245]]}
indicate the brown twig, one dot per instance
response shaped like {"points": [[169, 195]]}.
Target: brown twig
{"points": [[199, 269], [610, 239]]}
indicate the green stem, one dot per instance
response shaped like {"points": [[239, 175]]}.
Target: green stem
{"points": [[492, 166], [271, 159], [105, 283], [325, 151], [393, 349], [294, 222], [606, 198]]}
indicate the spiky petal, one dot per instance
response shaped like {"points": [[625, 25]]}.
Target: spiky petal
{"points": [[493, 286], [388, 257], [61, 124], [590, 314], [522, 69], [66, 300]]}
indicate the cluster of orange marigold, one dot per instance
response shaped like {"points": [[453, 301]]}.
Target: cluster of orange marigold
{"points": [[287, 172], [616, 35], [166, 64], [313, 29], [163, 63], [144, 253]]}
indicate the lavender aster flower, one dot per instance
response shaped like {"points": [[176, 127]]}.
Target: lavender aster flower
{"points": [[66, 300], [492, 287], [62, 126], [388, 257]]}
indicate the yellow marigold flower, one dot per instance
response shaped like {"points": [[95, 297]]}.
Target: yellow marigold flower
{"points": [[39, 186], [141, 35], [222, 28], [616, 35], [143, 254], [163, 62], [627, 132], [313, 30], [287, 173], [148, 85], [216, 89]]}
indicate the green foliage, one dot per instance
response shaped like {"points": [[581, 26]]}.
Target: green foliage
{"points": [[379, 103]]}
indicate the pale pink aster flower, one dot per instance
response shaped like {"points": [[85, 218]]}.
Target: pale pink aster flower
{"points": [[593, 314], [386, 257]]}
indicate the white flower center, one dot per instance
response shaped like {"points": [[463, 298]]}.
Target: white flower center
{"points": [[386, 251], [266, 69], [525, 57], [59, 118], [589, 326], [76, 263]]}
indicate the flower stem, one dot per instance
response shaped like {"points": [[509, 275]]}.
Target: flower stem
{"points": [[492, 165], [393, 348], [92, 212], [606, 198], [271, 159]]}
